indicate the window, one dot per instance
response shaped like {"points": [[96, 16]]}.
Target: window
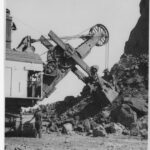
{"points": [[34, 84]]}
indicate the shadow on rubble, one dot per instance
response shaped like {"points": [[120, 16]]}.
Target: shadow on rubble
{"points": [[68, 102], [96, 104]]}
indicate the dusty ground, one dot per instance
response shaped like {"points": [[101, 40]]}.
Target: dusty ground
{"points": [[75, 142]]}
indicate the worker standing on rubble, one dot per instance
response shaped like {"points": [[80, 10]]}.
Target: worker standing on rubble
{"points": [[93, 80], [38, 121], [108, 77], [94, 70]]}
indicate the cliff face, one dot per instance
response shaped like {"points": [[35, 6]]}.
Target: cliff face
{"points": [[138, 40]]}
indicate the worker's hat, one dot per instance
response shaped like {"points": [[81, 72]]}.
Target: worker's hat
{"points": [[106, 70], [94, 67]]}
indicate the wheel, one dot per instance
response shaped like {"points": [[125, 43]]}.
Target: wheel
{"points": [[100, 30]]}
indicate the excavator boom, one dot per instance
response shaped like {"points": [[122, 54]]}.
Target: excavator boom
{"points": [[106, 87], [63, 58]]}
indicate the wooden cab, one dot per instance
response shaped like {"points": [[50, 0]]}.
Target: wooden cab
{"points": [[23, 78]]}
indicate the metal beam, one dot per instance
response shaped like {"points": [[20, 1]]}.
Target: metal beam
{"points": [[68, 49]]}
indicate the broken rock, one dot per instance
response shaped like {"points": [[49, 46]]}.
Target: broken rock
{"points": [[138, 105], [124, 115], [67, 129], [87, 125], [79, 128], [143, 126], [99, 131], [93, 124], [134, 129], [144, 133], [143, 122], [53, 128], [114, 128], [126, 132]]}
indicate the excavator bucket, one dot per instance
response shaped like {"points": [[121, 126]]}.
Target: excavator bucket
{"points": [[110, 94], [109, 90]]}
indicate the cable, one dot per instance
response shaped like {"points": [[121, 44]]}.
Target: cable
{"points": [[83, 31], [27, 25], [40, 32], [107, 56], [44, 53]]}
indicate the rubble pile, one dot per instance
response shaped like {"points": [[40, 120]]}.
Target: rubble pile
{"points": [[131, 74], [126, 115]]}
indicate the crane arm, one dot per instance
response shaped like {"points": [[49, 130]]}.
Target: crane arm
{"points": [[107, 89]]}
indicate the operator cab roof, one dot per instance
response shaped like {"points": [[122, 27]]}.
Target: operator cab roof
{"points": [[27, 57]]}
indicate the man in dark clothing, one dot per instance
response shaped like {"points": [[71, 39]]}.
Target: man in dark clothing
{"points": [[108, 77], [38, 121], [94, 70]]}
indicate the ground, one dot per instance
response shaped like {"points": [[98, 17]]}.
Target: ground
{"points": [[75, 142]]}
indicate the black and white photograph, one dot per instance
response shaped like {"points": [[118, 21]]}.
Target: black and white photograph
{"points": [[76, 74]]}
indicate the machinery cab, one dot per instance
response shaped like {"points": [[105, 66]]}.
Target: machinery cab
{"points": [[23, 75]]}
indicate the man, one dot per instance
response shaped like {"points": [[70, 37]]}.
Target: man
{"points": [[38, 121], [108, 77], [94, 70]]}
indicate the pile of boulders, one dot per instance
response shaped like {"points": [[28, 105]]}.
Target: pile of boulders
{"points": [[126, 115]]}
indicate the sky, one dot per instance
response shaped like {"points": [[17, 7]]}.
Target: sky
{"points": [[70, 17]]}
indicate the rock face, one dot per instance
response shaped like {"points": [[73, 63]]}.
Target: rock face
{"points": [[138, 40]]}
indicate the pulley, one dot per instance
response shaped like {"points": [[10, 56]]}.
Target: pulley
{"points": [[63, 60], [51, 68], [100, 30]]}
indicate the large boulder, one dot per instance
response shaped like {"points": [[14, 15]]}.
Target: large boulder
{"points": [[67, 128], [124, 115], [138, 105], [87, 125]]}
